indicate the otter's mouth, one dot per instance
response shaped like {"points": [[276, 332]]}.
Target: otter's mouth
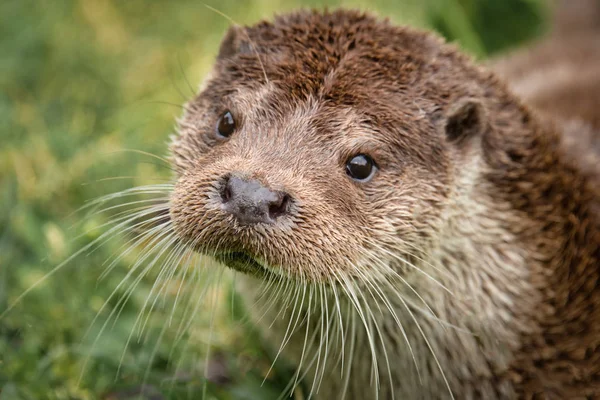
{"points": [[242, 262]]}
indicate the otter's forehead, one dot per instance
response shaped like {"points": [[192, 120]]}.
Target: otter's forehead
{"points": [[303, 54]]}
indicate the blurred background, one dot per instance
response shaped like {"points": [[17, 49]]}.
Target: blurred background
{"points": [[81, 80]]}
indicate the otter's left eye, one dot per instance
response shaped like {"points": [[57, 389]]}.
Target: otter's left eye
{"points": [[226, 125], [361, 167]]}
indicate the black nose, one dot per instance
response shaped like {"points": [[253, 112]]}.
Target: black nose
{"points": [[251, 202]]}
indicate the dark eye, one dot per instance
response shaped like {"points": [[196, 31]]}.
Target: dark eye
{"points": [[361, 167], [225, 125]]}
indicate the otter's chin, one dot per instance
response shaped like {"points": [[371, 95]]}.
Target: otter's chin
{"points": [[243, 262]]}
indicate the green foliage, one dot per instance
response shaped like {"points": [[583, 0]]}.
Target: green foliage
{"points": [[81, 81]]}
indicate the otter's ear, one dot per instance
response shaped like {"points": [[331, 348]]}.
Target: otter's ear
{"points": [[465, 119], [234, 42]]}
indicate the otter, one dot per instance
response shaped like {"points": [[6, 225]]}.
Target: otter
{"points": [[404, 224]]}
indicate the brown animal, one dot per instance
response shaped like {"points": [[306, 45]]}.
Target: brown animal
{"points": [[406, 226]]}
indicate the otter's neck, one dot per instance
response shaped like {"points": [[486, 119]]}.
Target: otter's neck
{"points": [[541, 231], [554, 191]]}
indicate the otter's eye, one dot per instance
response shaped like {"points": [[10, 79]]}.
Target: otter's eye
{"points": [[225, 125], [361, 167]]}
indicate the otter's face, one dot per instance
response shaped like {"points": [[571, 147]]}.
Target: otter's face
{"points": [[311, 153]]}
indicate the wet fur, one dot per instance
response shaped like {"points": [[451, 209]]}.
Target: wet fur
{"points": [[505, 219]]}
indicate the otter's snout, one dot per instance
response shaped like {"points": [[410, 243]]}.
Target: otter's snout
{"points": [[250, 202]]}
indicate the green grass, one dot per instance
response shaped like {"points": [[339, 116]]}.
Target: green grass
{"points": [[79, 82]]}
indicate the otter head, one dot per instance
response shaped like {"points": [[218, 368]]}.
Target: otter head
{"points": [[324, 146]]}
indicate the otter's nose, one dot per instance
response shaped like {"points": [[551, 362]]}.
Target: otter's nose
{"points": [[250, 202]]}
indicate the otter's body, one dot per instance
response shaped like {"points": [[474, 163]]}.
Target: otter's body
{"points": [[406, 225]]}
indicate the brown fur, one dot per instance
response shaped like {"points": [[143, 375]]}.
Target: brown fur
{"points": [[470, 180]]}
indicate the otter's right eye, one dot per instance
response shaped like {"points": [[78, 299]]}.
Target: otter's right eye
{"points": [[226, 125]]}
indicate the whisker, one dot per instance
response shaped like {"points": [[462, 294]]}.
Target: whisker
{"points": [[132, 243], [212, 318], [180, 106], [341, 323], [406, 262], [394, 315], [159, 237], [162, 159], [116, 178], [179, 288], [141, 312], [193, 92], [290, 329], [185, 326], [54, 270], [419, 250], [117, 307], [160, 200], [429, 347], [369, 285], [176, 86], [172, 261], [165, 243], [352, 323], [351, 294], [165, 188], [305, 334]]}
